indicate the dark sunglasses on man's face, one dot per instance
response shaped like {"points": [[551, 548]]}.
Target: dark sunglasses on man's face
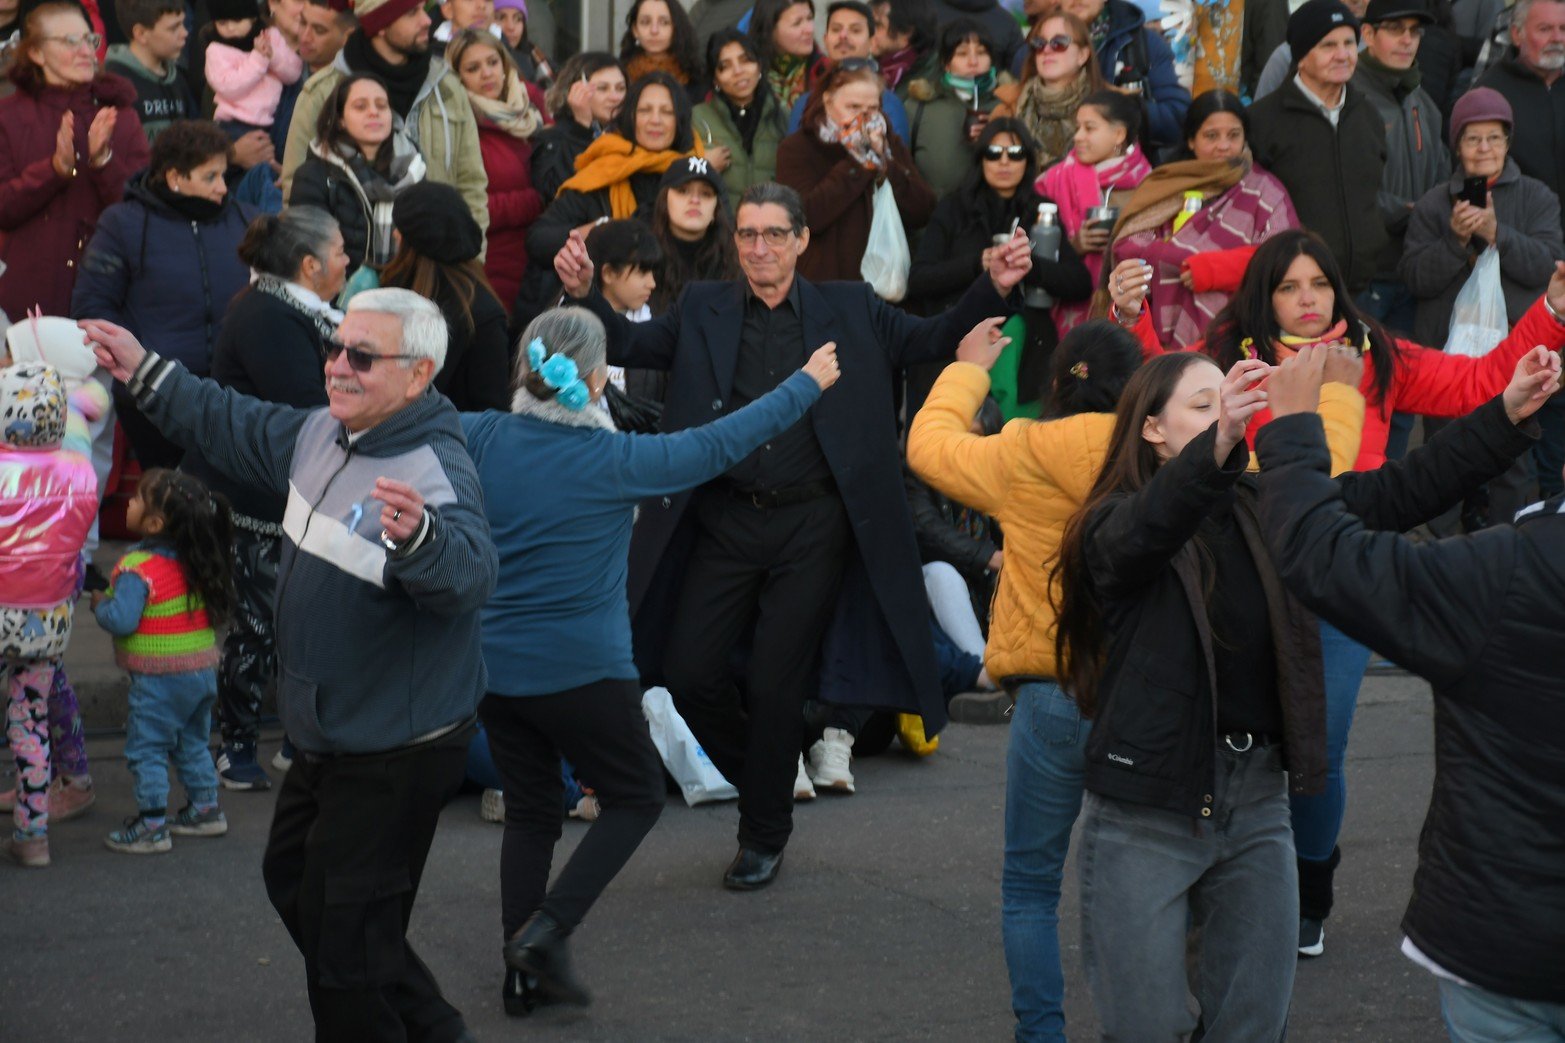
{"points": [[361, 361], [1054, 44], [1015, 153]]}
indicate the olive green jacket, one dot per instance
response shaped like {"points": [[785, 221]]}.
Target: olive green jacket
{"points": [[935, 116], [712, 120]]}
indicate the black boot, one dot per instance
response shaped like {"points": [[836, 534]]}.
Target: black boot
{"points": [[1315, 896], [519, 993], [539, 950]]}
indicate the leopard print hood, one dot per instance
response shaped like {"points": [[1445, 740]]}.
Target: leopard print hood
{"points": [[32, 406]]}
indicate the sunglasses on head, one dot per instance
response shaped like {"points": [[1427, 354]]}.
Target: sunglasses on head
{"points": [[359, 360], [1054, 44], [995, 153]]}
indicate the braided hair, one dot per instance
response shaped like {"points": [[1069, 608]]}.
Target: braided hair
{"points": [[200, 525]]}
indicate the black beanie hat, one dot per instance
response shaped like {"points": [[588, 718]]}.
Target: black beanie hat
{"points": [[1310, 24], [232, 10], [435, 220]]}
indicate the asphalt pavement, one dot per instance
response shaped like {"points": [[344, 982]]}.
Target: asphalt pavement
{"points": [[883, 925]]}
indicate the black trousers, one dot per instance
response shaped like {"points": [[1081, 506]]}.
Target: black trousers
{"points": [[779, 569], [600, 729], [342, 866], [249, 651], [146, 441]]}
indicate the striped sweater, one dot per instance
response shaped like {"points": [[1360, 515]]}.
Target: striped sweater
{"points": [[173, 635]]}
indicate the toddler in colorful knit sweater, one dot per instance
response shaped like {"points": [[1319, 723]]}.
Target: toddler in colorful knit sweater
{"points": [[163, 600]]}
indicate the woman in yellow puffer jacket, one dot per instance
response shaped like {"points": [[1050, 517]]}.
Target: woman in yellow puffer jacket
{"points": [[1031, 478]]}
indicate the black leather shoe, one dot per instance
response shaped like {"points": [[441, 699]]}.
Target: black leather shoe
{"points": [[519, 993], [539, 951], [751, 870]]}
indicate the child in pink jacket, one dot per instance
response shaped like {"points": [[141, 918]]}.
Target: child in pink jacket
{"points": [[247, 66]]}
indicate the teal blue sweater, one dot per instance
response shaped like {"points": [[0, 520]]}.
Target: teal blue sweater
{"points": [[561, 501]]}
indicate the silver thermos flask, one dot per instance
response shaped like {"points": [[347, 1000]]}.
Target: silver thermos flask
{"points": [[1045, 235]]}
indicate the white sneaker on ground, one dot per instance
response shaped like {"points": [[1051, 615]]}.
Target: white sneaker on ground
{"points": [[491, 807], [830, 758], [802, 789]]}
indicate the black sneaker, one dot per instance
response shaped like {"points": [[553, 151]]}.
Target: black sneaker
{"points": [[1312, 937], [237, 769]]}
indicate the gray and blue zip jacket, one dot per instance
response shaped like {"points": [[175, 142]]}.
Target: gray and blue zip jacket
{"points": [[375, 651]]}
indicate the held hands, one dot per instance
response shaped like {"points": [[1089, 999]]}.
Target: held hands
{"points": [[1468, 220], [403, 511], [254, 148], [822, 365], [1344, 365], [263, 46], [720, 156], [1537, 377], [117, 348], [1009, 264], [573, 266], [983, 344], [1294, 386], [1091, 239], [1129, 285], [1239, 399], [1555, 293]]}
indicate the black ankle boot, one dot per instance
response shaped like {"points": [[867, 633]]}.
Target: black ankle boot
{"points": [[1315, 886], [519, 993], [539, 950]]}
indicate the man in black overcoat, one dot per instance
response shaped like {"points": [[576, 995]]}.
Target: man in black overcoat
{"points": [[807, 546]]}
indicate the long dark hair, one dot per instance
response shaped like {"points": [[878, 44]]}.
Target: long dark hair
{"points": [[1249, 315], [714, 257], [683, 48], [200, 526], [625, 123], [763, 23], [328, 126], [1205, 106], [1079, 636], [1090, 369], [714, 51]]}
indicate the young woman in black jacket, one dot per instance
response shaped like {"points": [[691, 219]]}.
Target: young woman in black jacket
{"points": [[998, 190], [1203, 678]]}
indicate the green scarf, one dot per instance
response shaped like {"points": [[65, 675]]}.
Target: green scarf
{"points": [[982, 86], [1400, 82]]}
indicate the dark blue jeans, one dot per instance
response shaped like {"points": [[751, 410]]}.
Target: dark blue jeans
{"points": [[1317, 819], [1043, 773], [170, 721]]}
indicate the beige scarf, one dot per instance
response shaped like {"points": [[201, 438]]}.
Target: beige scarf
{"points": [[1050, 114], [512, 112]]}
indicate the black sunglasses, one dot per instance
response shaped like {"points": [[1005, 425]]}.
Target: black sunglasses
{"points": [[1056, 44], [360, 361], [995, 153]]}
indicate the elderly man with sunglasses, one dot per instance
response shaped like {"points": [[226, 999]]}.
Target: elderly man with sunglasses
{"points": [[805, 551], [386, 561]]}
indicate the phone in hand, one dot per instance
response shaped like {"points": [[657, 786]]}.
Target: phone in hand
{"points": [[1475, 190]]}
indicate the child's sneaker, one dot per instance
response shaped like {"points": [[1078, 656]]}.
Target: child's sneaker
{"points": [[237, 769], [69, 798], [192, 822], [32, 853], [138, 838], [283, 759]]}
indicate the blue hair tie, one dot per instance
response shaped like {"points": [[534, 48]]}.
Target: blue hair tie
{"points": [[560, 373]]}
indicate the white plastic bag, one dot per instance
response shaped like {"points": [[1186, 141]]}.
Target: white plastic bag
{"points": [[1478, 319], [699, 780], [886, 255]]}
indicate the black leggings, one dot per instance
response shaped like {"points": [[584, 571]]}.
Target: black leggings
{"points": [[600, 729]]}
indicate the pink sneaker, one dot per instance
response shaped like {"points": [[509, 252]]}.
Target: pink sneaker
{"points": [[32, 854], [68, 799]]}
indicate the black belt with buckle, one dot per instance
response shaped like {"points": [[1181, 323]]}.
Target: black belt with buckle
{"points": [[767, 498], [1244, 742]]}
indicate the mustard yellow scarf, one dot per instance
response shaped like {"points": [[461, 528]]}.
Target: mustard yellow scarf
{"points": [[610, 161]]}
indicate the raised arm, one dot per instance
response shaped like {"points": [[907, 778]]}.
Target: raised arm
{"points": [[644, 345], [250, 440], [942, 449]]}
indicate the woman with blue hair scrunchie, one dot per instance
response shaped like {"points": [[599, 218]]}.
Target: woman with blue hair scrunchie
{"points": [[560, 491]]}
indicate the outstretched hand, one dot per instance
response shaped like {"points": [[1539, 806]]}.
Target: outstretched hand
{"points": [[822, 365], [402, 509], [1294, 386], [1239, 399], [1009, 264], [1537, 377], [983, 343], [117, 348], [573, 265]]}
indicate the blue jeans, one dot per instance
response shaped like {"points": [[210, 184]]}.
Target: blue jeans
{"points": [[171, 720], [1317, 819], [1149, 876], [1043, 772], [1474, 1015]]}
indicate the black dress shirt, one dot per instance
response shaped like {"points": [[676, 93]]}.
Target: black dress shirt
{"points": [[771, 348]]}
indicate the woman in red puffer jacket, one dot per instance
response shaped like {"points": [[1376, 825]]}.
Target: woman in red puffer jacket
{"points": [[69, 140]]}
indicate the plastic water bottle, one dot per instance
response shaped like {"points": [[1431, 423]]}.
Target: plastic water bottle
{"points": [[1045, 235]]}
